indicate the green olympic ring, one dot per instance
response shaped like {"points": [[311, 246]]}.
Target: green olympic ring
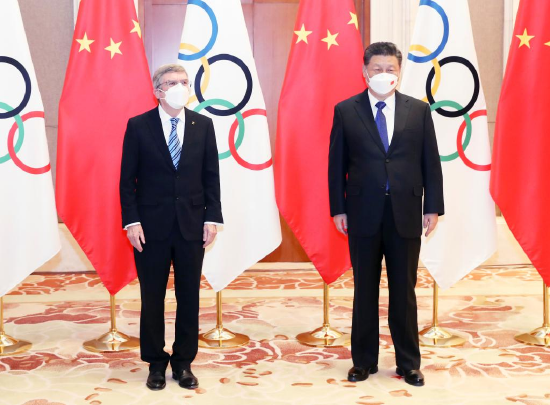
{"points": [[455, 105], [21, 127], [240, 119]]}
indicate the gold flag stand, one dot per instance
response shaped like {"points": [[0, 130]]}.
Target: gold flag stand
{"points": [[436, 336], [112, 341], [219, 337], [539, 336], [8, 345], [325, 336]]}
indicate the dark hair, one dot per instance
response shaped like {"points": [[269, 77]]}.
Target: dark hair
{"points": [[384, 49]]}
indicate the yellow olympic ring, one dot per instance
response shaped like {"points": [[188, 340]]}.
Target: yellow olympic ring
{"points": [[205, 64], [437, 67]]}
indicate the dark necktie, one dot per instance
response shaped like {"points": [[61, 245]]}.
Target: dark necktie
{"points": [[174, 143], [382, 130]]}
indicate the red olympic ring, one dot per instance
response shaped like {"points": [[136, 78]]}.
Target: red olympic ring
{"points": [[468, 162], [11, 149], [233, 149]]}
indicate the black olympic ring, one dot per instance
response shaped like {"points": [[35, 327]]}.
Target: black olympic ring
{"points": [[26, 78], [247, 94], [475, 76]]}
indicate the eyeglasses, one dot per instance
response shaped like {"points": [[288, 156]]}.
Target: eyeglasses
{"points": [[172, 83]]}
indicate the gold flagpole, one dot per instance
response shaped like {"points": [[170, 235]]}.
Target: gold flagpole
{"points": [[436, 336], [325, 336], [539, 336], [112, 341], [219, 337], [8, 345]]}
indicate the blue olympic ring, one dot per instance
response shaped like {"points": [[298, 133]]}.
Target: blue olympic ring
{"points": [[213, 37], [26, 96], [434, 54]]}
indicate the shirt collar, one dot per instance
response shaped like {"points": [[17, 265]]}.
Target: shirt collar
{"points": [[165, 117], [390, 102]]}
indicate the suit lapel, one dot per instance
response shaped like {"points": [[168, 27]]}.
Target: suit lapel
{"points": [[188, 137], [402, 107], [155, 125], [364, 111]]}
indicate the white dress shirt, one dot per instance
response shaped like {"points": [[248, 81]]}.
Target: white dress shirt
{"points": [[388, 111]]}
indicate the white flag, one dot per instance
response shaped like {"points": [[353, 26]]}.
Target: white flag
{"points": [[29, 233], [215, 50], [442, 69]]}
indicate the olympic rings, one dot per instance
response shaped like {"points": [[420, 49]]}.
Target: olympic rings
{"points": [[233, 149], [14, 157], [213, 37], [467, 120], [206, 66], [19, 123], [444, 39], [437, 68], [247, 94], [26, 97], [240, 121], [460, 148], [475, 76]]}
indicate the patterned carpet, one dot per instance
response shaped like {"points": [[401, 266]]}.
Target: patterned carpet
{"points": [[57, 312]]}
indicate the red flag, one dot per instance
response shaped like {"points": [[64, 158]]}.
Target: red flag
{"points": [[107, 82], [521, 166], [324, 68]]}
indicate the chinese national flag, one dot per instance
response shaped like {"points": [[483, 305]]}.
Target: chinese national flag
{"points": [[521, 165], [106, 83], [324, 68]]}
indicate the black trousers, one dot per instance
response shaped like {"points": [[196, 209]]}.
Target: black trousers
{"points": [[153, 269], [401, 264]]}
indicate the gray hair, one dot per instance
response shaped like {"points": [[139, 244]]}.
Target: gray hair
{"points": [[162, 70]]}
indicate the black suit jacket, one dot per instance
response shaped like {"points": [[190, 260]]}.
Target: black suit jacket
{"points": [[154, 193], [359, 166]]}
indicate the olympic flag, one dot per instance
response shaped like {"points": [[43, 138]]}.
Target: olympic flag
{"points": [[442, 69], [29, 233], [215, 50]]}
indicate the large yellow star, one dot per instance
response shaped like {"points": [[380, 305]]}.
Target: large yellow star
{"points": [[353, 20], [330, 39], [524, 38], [136, 28], [85, 43], [114, 48], [548, 44], [302, 34]]}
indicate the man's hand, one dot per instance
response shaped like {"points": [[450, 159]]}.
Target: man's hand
{"points": [[209, 234], [136, 236], [430, 221], [341, 222]]}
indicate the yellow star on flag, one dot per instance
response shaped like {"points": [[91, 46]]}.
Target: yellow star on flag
{"points": [[114, 48], [330, 39], [136, 28], [85, 43], [353, 20], [302, 34], [547, 44], [524, 38]]}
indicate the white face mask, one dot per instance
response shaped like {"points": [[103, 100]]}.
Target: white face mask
{"points": [[177, 96], [382, 83]]}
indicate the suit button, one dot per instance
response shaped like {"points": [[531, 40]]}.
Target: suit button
{"points": [[177, 198], [387, 160], [177, 177], [383, 186]]}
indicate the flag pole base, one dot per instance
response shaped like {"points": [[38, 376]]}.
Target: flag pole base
{"points": [[112, 341], [325, 336], [435, 336], [11, 347], [537, 337], [221, 338]]}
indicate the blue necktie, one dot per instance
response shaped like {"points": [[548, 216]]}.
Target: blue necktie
{"points": [[382, 130], [174, 143]]}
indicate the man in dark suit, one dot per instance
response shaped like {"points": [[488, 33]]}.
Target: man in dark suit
{"points": [[383, 158], [170, 194]]}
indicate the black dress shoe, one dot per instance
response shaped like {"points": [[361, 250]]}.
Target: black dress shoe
{"points": [[361, 374], [156, 380], [186, 379], [412, 377]]}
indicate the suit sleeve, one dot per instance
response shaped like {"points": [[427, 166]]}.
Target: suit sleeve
{"points": [[337, 165], [431, 169], [128, 175], [211, 178]]}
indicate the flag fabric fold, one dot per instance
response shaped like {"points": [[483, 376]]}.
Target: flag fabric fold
{"points": [[215, 50], [519, 181], [106, 83], [324, 68], [442, 69]]}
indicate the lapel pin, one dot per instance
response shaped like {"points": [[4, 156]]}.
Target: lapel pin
{"points": [[192, 122]]}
